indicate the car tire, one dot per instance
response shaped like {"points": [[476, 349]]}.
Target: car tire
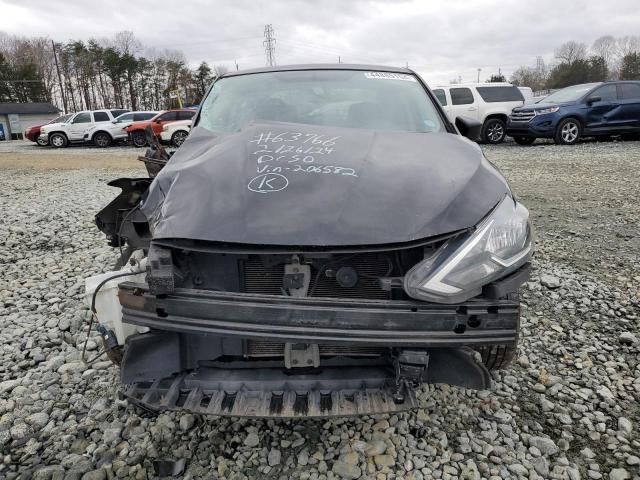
{"points": [[493, 131], [179, 137], [58, 140], [524, 140], [496, 357], [41, 143], [139, 139], [102, 139], [568, 132]]}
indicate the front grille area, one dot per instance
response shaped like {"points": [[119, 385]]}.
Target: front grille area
{"points": [[522, 116], [267, 279], [262, 349]]}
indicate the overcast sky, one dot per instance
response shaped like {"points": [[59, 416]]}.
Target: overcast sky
{"points": [[442, 39]]}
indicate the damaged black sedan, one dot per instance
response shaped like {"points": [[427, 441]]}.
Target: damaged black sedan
{"points": [[324, 242]]}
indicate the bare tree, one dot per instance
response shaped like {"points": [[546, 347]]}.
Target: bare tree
{"points": [[627, 44], [571, 51], [606, 47], [127, 43]]}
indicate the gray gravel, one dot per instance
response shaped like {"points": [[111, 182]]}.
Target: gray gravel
{"points": [[28, 147], [567, 409]]}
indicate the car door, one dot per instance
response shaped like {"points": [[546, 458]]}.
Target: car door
{"points": [[186, 114], [629, 99], [602, 115], [463, 103], [78, 125], [120, 123], [166, 117]]}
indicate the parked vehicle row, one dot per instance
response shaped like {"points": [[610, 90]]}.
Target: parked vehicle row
{"points": [[104, 134], [566, 116], [586, 110], [106, 127]]}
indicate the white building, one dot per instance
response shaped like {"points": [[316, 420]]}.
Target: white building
{"points": [[15, 118]]}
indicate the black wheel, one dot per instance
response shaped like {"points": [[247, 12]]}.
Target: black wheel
{"points": [[494, 131], [102, 139], [568, 132], [41, 142], [523, 140], [496, 357], [179, 137], [58, 140], [138, 138]]}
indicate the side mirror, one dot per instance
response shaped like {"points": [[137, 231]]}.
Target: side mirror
{"points": [[469, 127], [157, 120], [593, 99], [114, 121]]}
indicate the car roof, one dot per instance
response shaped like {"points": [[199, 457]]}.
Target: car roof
{"points": [[486, 84], [322, 66]]}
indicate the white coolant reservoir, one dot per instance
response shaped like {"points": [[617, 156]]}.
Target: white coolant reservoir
{"points": [[108, 308]]}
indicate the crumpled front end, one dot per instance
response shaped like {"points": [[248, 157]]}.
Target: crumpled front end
{"points": [[300, 335]]}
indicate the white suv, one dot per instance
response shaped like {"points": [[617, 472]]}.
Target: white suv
{"points": [[489, 103], [175, 133], [72, 130], [104, 134]]}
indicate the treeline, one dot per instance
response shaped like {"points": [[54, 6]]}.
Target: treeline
{"points": [[608, 58], [99, 73]]}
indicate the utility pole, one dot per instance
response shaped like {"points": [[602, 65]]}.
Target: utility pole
{"points": [[55, 57], [339, 59], [236, 62], [269, 45], [479, 70]]}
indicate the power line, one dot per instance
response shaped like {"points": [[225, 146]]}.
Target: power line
{"points": [[270, 45]]}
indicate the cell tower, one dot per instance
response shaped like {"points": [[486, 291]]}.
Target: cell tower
{"points": [[269, 45]]}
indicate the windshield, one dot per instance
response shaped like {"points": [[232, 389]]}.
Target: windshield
{"points": [[61, 119], [336, 98], [569, 94]]}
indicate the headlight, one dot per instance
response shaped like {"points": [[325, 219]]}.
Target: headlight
{"points": [[457, 271], [543, 111]]}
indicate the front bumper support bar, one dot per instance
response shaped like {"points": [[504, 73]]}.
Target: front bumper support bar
{"points": [[322, 320]]}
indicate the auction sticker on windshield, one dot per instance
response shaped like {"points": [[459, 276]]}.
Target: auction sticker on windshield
{"points": [[390, 76]]}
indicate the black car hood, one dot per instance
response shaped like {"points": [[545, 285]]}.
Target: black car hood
{"points": [[293, 184]]}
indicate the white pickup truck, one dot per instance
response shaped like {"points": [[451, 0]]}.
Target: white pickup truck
{"points": [[72, 130]]}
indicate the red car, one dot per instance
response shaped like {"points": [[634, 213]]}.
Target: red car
{"points": [[136, 129], [33, 133]]}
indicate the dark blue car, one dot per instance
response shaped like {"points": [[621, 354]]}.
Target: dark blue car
{"points": [[586, 110]]}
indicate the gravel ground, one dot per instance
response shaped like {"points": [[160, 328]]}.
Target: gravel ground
{"points": [[567, 409]]}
